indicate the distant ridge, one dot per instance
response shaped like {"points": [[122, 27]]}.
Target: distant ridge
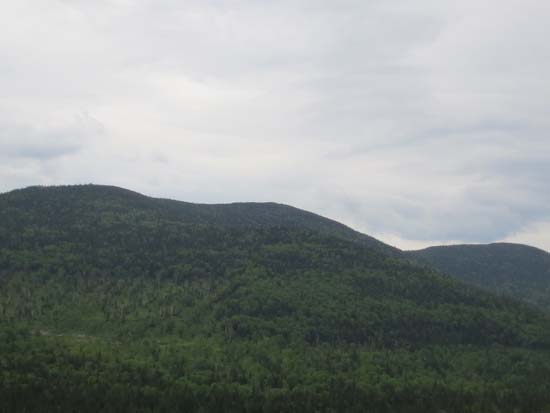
{"points": [[515, 270]]}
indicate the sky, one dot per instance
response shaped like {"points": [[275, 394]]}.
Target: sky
{"points": [[419, 123]]}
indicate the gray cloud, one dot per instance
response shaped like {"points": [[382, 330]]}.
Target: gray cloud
{"points": [[19, 141], [47, 142], [418, 123]]}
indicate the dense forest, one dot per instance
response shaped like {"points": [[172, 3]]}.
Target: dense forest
{"points": [[113, 301], [514, 270]]}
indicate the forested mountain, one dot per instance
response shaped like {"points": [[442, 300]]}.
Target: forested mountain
{"points": [[113, 301], [515, 270], [65, 205]]}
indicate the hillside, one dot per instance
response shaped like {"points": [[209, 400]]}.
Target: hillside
{"points": [[514, 270], [110, 300]]}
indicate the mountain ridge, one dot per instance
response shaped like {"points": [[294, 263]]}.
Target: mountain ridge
{"points": [[516, 270], [138, 194], [256, 213], [466, 244]]}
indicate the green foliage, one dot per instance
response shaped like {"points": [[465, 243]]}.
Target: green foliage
{"points": [[513, 270], [111, 301]]}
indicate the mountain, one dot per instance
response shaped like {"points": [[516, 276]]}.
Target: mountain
{"points": [[67, 204], [114, 301], [514, 270]]}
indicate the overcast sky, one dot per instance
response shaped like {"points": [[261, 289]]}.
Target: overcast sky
{"points": [[418, 122]]}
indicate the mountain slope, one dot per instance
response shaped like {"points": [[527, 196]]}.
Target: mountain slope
{"points": [[110, 299], [514, 270]]}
